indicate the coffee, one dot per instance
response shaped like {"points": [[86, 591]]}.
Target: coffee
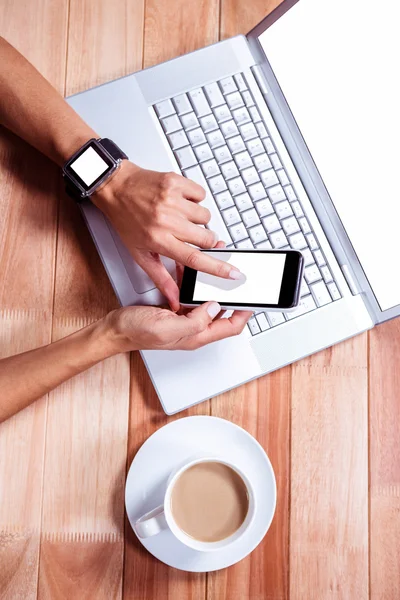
{"points": [[209, 501]]}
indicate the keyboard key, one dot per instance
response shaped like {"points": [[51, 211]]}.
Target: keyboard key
{"points": [[234, 100], [238, 232], [283, 178], [231, 217], [326, 274], [319, 257], [257, 191], [264, 207], [200, 103], [255, 147], [217, 184], [245, 244], [208, 123], [240, 82], [306, 305], [304, 289], [255, 115], [229, 170], [262, 321], [171, 123], [243, 160], [241, 115], [213, 93], [275, 161], [164, 108], [222, 154], [236, 144], [257, 234], [203, 152], [334, 291], [264, 246], [268, 145], [283, 209], [178, 139], [262, 162], [308, 257], [312, 242], [224, 200], [298, 211], [271, 223], [298, 241], [320, 293], [182, 104], [275, 318], [243, 202], [229, 128], [278, 239], [312, 274], [290, 193], [250, 176], [269, 179], [189, 121], [186, 157], [210, 168], [248, 131], [304, 225], [236, 186], [216, 222], [276, 193], [290, 226], [215, 138], [196, 136], [262, 130], [222, 113], [253, 326], [250, 218], [227, 85]]}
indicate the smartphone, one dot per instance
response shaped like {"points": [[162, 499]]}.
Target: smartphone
{"points": [[272, 281]]}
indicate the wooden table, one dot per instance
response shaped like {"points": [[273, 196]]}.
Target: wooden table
{"points": [[330, 423]]}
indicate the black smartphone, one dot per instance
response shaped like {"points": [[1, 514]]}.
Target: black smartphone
{"points": [[272, 281]]}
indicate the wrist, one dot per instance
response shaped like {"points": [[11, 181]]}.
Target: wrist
{"points": [[68, 146], [110, 192]]}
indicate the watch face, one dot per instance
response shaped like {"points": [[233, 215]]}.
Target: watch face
{"points": [[92, 164]]}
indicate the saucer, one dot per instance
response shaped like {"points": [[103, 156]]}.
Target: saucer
{"points": [[159, 456]]}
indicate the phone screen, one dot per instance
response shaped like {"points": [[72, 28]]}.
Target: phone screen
{"points": [[262, 284]]}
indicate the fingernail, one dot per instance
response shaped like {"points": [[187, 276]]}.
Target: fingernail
{"points": [[213, 309], [237, 275]]}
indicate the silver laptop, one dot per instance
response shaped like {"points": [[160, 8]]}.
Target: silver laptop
{"points": [[293, 131]]}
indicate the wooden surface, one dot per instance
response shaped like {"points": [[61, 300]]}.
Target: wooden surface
{"points": [[329, 423]]}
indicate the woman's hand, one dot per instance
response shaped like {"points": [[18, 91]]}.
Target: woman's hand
{"points": [[151, 328], [159, 214]]}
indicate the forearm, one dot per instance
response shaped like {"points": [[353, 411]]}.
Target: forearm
{"points": [[29, 376], [35, 111]]}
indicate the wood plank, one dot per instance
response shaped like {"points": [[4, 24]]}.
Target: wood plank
{"points": [[329, 474], [384, 456], [28, 206], [263, 409], [82, 541], [144, 576]]}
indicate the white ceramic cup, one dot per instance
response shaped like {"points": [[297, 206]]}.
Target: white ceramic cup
{"points": [[161, 518]]}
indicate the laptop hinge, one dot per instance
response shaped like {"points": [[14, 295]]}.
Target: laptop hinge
{"points": [[351, 282], [258, 74]]}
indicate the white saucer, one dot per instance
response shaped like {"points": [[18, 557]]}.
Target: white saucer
{"points": [[163, 451]]}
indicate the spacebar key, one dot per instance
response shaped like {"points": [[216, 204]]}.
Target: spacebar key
{"points": [[216, 222]]}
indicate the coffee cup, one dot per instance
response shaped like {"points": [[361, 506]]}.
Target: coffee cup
{"points": [[209, 503]]}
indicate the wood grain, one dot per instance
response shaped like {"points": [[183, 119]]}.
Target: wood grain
{"points": [[329, 474], [28, 211], [384, 455]]}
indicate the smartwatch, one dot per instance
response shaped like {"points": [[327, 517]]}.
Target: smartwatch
{"points": [[90, 167]]}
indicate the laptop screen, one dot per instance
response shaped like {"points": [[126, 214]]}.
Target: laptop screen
{"points": [[337, 64]]}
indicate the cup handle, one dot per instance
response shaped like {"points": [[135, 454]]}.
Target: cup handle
{"points": [[151, 523]]}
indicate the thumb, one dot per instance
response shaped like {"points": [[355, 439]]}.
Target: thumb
{"points": [[197, 320], [151, 263]]}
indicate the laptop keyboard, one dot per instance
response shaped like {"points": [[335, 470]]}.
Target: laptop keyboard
{"points": [[220, 141]]}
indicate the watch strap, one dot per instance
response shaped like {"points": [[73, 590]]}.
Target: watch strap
{"points": [[112, 149]]}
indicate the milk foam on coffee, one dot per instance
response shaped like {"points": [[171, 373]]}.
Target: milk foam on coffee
{"points": [[209, 501]]}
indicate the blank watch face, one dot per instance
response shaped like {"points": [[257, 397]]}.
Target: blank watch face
{"points": [[90, 166]]}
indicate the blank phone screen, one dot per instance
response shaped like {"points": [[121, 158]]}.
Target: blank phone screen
{"points": [[262, 284]]}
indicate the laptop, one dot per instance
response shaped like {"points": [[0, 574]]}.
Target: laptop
{"points": [[293, 132]]}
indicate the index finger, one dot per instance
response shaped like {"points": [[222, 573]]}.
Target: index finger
{"points": [[220, 329], [200, 261], [192, 190]]}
